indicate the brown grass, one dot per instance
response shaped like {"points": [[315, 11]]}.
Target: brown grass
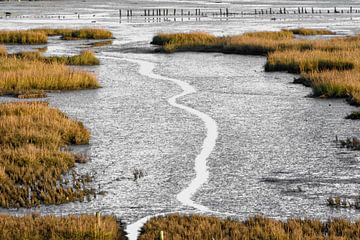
{"points": [[101, 43], [316, 60], [22, 37], [75, 34], [3, 51], [35, 227], [19, 75], [310, 31], [335, 83], [84, 58], [36, 170], [177, 227]]}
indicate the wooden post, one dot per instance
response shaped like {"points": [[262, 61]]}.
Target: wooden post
{"points": [[174, 12], [145, 12], [270, 11], [120, 13]]}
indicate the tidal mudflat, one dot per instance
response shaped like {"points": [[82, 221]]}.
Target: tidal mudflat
{"points": [[205, 133]]}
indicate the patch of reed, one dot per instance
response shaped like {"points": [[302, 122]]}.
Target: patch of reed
{"points": [[335, 83], [280, 35], [75, 34], [31, 94], [84, 58], [22, 37], [3, 51], [310, 31], [194, 227], [353, 116], [100, 44], [315, 60], [36, 227], [36, 170], [19, 75]]}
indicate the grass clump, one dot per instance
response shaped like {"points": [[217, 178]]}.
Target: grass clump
{"points": [[3, 51], [36, 227], [76, 34], [34, 169], [22, 37], [19, 75], [338, 84], [353, 116], [185, 41], [195, 227], [101, 43], [310, 31], [84, 58], [316, 60]]}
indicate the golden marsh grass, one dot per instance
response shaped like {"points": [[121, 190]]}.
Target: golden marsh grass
{"points": [[35, 227], [84, 58], [314, 60], [310, 31], [22, 37], [19, 75], [35, 169], [75, 34], [177, 227]]}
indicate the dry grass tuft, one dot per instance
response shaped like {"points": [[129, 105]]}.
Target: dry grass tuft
{"points": [[35, 227], [315, 60], [310, 31], [195, 227], [36, 170], [21, 75], [75, 34], [353, 116], [101, 43], [84, 58], [22, 37]]}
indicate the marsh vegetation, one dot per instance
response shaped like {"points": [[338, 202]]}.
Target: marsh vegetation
{"points": [[27, 74], [84, 58], [35, 168], [197, 227], [36, 227], [40, 36]]}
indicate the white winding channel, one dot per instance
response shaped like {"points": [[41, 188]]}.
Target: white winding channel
{"points": [[201, 170]]}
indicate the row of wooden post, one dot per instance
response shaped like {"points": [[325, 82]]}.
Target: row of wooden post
{"points": [[225, 12], [167, 12], [303, 10]]}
